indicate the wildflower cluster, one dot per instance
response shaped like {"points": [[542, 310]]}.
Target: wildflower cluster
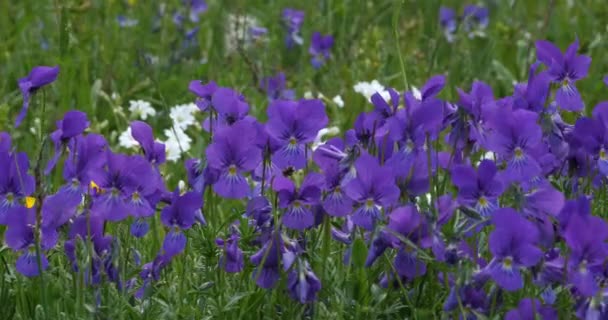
{"points": [[483, 196]]}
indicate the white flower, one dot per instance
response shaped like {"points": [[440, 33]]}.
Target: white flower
{"points": [[417, 94], [183, 115], [182, 186], [238, 31], [338, 101], [177, 142], [141, 109], [126, 139], [331, 131], [368, 89], [308, 95]]}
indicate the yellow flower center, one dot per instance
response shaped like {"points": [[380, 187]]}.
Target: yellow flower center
{"points": [[30, 202], [232, 170], [369, 203], [507, 263], [95, 187], [293, 141], [603, 154], [483, 201], [518, 152]]}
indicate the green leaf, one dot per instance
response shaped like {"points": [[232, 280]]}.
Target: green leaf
{"points": [[359, 253]]}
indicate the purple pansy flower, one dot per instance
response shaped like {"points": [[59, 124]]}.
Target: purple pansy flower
{"points": [[232, 259], [335, 201], [5, 142], [513, 245], [15, 183], [447, 19], [407, 222], [564, 69], [374, 187], [268, 260], [592, 136], [293, 20], [129, 185], [303, 284], [297, 203], [515, 137], [586, 237], [178, 216], [320, 47], [73, 124], [294, 124], [197, 7], [86, 157], [275, 87], [479, 190], [204, 93], [530, 309], [154, 151], [20, 236], [475, 16], [37, 78], [233, 153]]}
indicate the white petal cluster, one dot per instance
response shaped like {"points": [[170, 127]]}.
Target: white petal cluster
{"points": [[141, 109], [368, 89]]}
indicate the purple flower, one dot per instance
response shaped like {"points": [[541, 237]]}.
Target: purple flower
{"points": [[303, 284], [232, 260], [129, 187], [86, 157], [126, 22], [154, 151], [515, 137], [475, 16], [267, 260], [335, 202], [15, 184], [260, 210], [297, 203], [37, 78], [592, 135], [373, 187], [320, 47], [447, 19], [513, 245], [197, 7], [293, 125], [564, 69], [479, 190], [586, 237], [73, 124], [275, 87], [204, 93], [180, 215], [293, 20], [200, 175], [257, 32], [233, 153], [230, 107], [19, 236], [530, 309], [409, 223], [5, 142], [533, 94]]}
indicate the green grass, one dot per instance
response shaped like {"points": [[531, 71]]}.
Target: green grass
{"points": [[392, 41]]}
